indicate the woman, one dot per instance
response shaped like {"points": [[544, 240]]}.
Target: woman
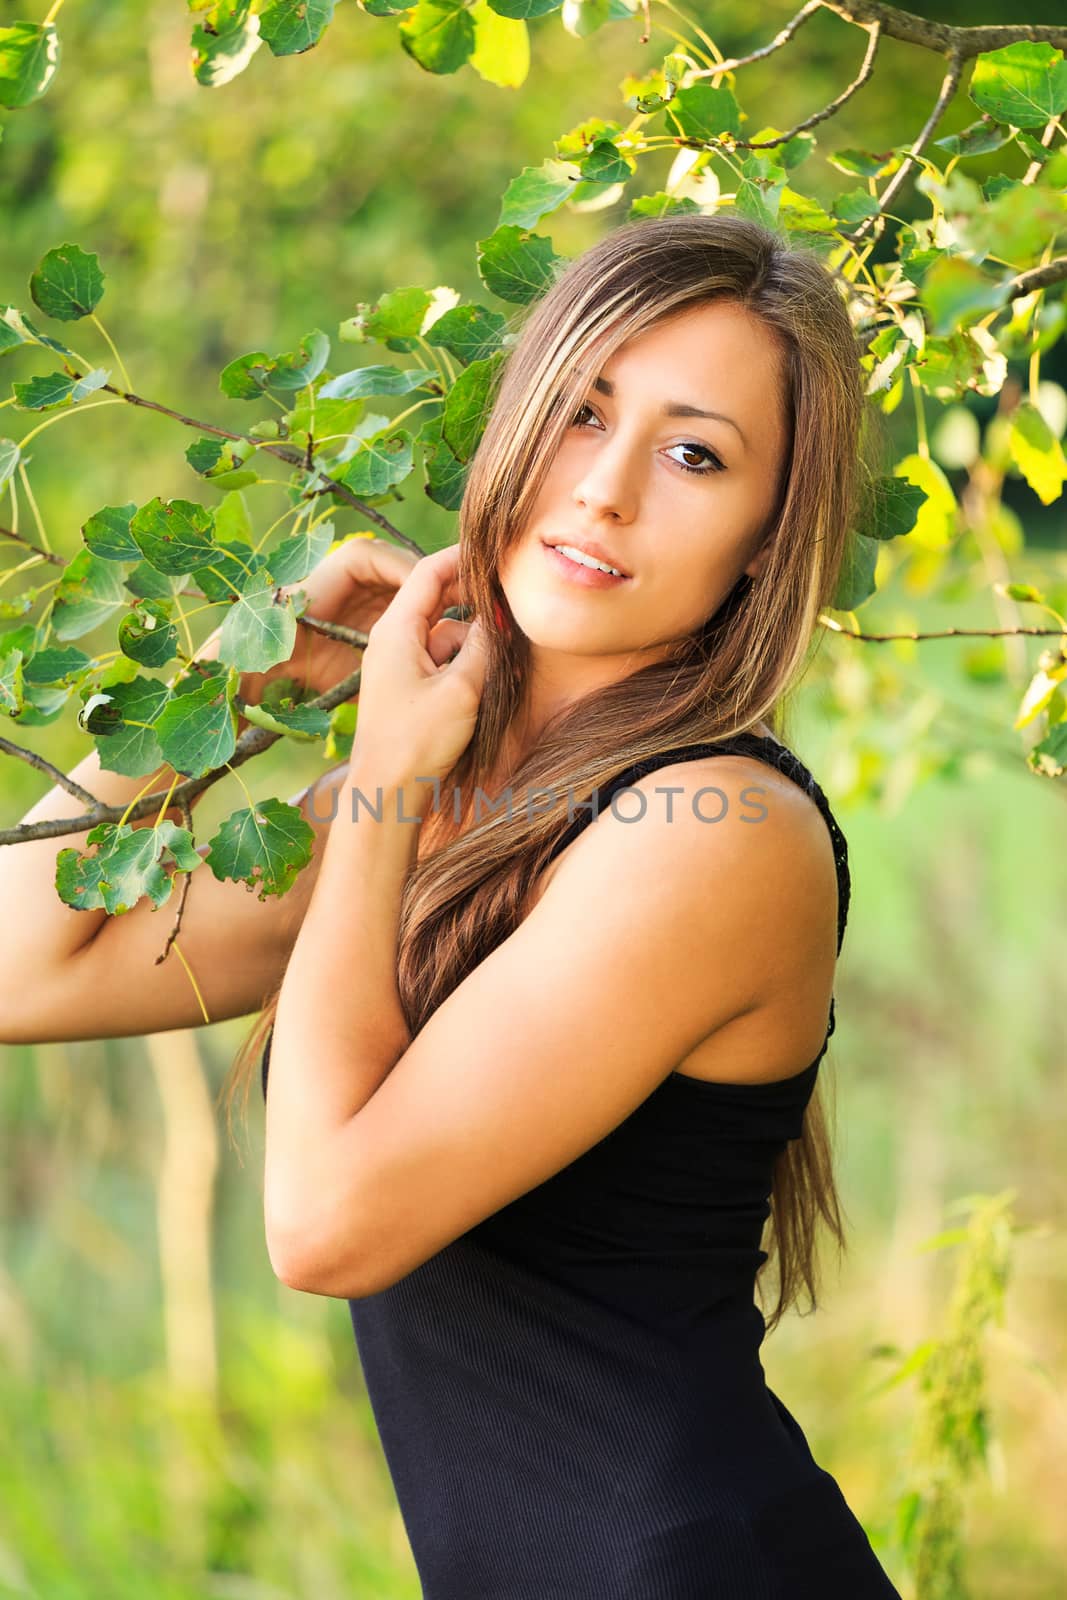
{"points": [[543, 1056]]}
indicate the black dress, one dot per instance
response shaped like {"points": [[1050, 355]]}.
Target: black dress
{"points": [[570, 1397]]}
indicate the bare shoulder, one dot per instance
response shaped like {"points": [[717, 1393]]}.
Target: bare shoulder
{"points": [[733, 815]]}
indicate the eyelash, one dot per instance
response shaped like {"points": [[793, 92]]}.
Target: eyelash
{"points": [[701, 472]]}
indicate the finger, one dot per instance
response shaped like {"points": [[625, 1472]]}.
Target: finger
{"points": [[378, 561], [428, 590], [446, 638], [472, 659]]}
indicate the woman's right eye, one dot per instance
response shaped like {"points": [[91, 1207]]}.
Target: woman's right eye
{"points": [[575, 420]]}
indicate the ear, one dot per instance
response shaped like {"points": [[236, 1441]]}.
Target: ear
{"points": [[759, 560]]}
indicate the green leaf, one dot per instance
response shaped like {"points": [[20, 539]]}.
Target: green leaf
{"points": [[979, 139], [129, 863], [197, 728], [292, 26], [606, 163], [303, 723], [760, 189], [935, 522], [439, 37], [264, 846], [302, 365], [340, 738], [956, 292], [467, 406], [107, 533], [147, 635], [225, 42], [221, 461], [648, 94], [445, 476], [17, 329], [67, 284], [1037, 453], [1049, 758], [29, 57], [501, 53], [856, 580], [175, 536], [231, 569], [855, 207], [381, 461], [537, 191], [395, 320], [893, 508], [11, 687], [517, 265], [148, 584], [9, 459], [525, 8], [865, 163], [327, 421], [57, 666], [583, 17], [584, 137], [89, 592], [704, 112], [257, 634], [121, 720], [377, 380], [661, 205], [468, 332], [1024, 84], [298, 555], [1018, 223], [246, 378], [55, 389]]}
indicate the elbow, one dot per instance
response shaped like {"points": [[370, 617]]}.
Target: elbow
{"points": [[305, 1258]]}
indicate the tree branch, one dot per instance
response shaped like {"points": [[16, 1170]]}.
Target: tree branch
{"points": [[1038, 277], [944, 633], [282, 452], [50, 771], [183, 894], [46, 555], [809, 122], [250, 744], [949, 85]]}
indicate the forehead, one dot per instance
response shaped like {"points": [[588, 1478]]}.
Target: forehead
{"points": [[714, 343]]}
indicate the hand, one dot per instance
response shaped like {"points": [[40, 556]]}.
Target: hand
{"points": [[352, 586], [423, 676]]}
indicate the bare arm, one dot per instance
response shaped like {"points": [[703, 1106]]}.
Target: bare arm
{"points": [[67, 974]]}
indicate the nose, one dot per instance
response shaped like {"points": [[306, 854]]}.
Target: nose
{"points": [[608, 487]]}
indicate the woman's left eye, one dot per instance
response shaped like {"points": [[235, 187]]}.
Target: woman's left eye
{"points": [[714, 464]]}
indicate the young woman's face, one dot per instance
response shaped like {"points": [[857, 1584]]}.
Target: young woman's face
{"points": [[676, 500]]}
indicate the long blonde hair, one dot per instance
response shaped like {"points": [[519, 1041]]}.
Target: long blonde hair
{"points": [[468, 893]]}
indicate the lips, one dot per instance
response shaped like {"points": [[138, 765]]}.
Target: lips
{"points": [[589, 548]]}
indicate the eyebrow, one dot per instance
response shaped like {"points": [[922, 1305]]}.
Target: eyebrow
{"points": [[677, 408]]}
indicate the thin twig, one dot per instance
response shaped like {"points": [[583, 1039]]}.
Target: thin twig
{"points": [[46, 555], [949, 85], [187, 878], [809, 122], [282, 452], [34, 760], [1038, 277], [944, 633]]}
